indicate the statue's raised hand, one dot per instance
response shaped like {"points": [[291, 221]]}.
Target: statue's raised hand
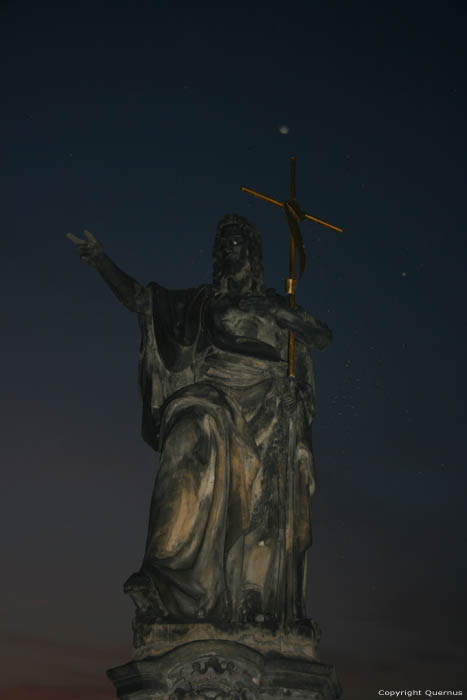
{"points": [[89, 251]]}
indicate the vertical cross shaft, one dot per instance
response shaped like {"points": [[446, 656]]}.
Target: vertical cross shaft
{"points": [[292, 275], [294, 214]]}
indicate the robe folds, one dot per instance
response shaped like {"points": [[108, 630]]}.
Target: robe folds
{"points": [[213, 390]]}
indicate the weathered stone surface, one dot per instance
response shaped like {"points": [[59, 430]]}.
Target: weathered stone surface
{"points": [[221, 594], [301, 640], [230, 518], [224, 670]]}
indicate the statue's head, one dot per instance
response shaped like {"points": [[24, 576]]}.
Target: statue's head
{"points": [[238, 253]]}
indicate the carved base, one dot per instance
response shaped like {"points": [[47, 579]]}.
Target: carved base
{"points": [[300, 640], [224, 670]]}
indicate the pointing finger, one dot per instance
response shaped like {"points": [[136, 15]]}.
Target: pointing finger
{"points": [[89, 236], [75, 239]]}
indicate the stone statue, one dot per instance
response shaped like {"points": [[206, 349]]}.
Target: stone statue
{"points": [[216, 402], [220, 596]]}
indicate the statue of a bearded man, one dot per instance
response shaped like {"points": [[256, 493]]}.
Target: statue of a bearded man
{"points": [[216, 402]]}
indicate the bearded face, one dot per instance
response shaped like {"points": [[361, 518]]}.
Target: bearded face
{"points": [[235, 253], [237, 256]]}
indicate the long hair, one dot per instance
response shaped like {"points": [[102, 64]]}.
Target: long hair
{"points": [[254, 245]]}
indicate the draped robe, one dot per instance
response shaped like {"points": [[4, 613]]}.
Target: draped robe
{"points": [[212, 381]]}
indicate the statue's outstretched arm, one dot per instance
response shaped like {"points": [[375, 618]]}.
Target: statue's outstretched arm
{"points": [[127, 290]]}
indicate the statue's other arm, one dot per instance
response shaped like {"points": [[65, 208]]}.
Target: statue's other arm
{"points": [[127, 290], [308, 329]]}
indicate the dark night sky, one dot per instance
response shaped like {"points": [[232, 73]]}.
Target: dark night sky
{"points": [[140, 122]]}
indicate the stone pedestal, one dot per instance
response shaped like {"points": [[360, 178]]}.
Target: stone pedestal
{"points": [[253, 664]]}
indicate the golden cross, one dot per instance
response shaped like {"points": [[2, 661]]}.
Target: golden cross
{"points": [[294, 214]]}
